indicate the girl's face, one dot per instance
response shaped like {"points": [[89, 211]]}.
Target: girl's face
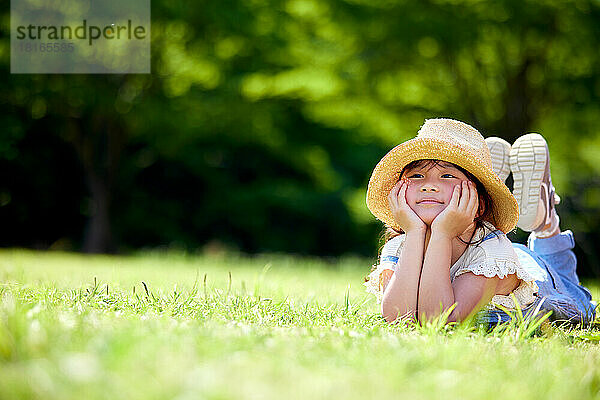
{"points": [[430, 188]]}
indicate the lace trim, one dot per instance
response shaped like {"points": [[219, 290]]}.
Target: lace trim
{"points": [[497, 267], [525, 295]]}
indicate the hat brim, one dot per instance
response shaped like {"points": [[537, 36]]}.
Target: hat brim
{"points": [[387, 173]]}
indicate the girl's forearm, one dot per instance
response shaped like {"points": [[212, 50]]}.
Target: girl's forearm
{"points": [[435, 288], [400, 296]]}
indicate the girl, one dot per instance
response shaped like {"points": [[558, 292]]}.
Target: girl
{"points": [[448, 213]]}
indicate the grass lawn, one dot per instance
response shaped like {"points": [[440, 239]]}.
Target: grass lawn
{"points": [[173, 326]]}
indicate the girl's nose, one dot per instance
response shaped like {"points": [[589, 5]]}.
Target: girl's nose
{"points": [[428, 187]]}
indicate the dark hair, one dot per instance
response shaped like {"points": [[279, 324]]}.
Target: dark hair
{"points": [[486, 203]]}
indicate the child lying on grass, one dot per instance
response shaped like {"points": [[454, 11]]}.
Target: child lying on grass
{"points": [[447, 210]]}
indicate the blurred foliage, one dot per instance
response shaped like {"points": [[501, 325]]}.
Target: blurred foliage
{"points": [[262, 120]]}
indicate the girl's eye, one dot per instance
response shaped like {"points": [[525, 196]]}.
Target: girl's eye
{"points": [[415, 176], [448, 176]]}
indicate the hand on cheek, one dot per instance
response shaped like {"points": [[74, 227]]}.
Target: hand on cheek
{"points": [[460, 212], [404, 216]]}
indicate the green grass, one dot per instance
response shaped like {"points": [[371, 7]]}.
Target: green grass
{"points": [[268, 327]]}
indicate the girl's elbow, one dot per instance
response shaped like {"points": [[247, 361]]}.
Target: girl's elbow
{"points": [[392, 313], [388, 311], [453, 318], [454, 315], [460, 314]]}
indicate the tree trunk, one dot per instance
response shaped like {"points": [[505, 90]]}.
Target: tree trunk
{"points": [[98, 144], [97, 236], [519, 113]]}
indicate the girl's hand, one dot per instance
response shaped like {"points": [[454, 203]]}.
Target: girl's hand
{"points": [[404, 216], [460, 213]]}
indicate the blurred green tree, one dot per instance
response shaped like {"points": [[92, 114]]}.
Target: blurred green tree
{"points": [[262, 120]]}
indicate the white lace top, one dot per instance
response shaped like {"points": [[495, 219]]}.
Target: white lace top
{"points": [[495, 256]]}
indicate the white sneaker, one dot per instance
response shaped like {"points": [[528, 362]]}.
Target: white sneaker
{"points": [[530, 166], [500, 152]]}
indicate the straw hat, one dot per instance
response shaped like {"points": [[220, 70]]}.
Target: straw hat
{"points": [[451, 141]]}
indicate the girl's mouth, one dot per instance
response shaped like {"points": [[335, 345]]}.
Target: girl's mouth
{"points": [[429, 201]]}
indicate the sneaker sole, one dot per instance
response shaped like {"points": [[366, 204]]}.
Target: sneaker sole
{"points": [[499, 150], [528, 158]]}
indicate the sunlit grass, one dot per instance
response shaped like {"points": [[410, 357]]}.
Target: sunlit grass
{"points": [[158, 326]]}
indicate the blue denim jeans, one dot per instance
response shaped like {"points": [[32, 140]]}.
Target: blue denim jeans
{"points": [[559, 288]]}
